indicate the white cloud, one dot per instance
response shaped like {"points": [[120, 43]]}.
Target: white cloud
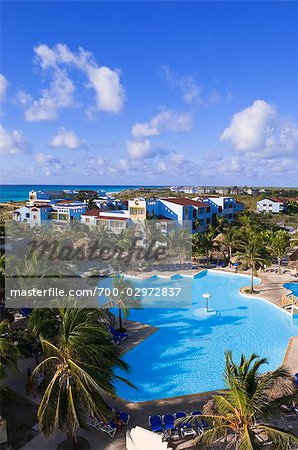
{"points": [[166, 120], [66, 138], [12, 142], [48, 163], [250, 128], [139, 149], [59, 95], [3, 87], [189, 87], [109, 92], [258, 131]]}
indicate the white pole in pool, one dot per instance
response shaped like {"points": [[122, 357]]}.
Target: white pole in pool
{"points": [[207, 298]]}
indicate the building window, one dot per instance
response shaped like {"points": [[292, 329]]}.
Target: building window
{"points": [[27, 215], [208, 209]]}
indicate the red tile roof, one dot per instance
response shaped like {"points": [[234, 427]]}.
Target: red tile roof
{"points": [[111, 217], [278, 200], [92, 212], [183, 201]]}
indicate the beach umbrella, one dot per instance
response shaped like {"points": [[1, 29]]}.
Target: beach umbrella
{"points": [[284, 387], [209, 407], [219, 238], [293, 264], [234, 259]]}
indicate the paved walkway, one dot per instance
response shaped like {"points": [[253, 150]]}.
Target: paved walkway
{"points": [[291, 356]]}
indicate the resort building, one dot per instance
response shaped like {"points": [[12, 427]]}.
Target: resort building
{"points": [[224, 206], [115, 221], [33, 215], [187, 212], [271, 205], [49, 196], [137, 209], [67, 211]]}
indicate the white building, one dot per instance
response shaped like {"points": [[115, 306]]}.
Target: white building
{"points": [[271, 205], [115, 221]]}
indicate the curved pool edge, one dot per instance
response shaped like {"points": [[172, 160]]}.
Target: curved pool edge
{"points": [[213, 392]]}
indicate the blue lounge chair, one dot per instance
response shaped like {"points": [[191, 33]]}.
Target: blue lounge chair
{"points": [[156, 424], [197, 423], [187, 428], [221, 264], [124, 417], [179, 415], [168, 420], [118, 334], [203, 424], [170, 428]]}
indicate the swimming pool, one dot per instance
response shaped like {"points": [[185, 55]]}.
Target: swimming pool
{"points": [[186, 353], [292, 287]]}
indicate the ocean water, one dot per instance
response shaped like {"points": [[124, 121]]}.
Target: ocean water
{"points": [[186, 353], [20, 192]]}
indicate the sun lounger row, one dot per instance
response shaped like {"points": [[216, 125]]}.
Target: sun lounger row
{"points": [[168, 424]]}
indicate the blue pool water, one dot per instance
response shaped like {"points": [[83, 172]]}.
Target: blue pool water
{"points": [[186, 353], [292, 287]]}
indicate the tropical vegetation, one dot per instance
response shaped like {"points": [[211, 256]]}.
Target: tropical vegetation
{"points": [[239, 417]]}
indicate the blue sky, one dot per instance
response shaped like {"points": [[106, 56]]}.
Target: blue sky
{"points": [[149, 93]]}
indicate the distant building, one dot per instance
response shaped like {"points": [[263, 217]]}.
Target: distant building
{"points": [[271, 205]]}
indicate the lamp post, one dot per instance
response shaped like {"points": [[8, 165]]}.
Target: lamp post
{"points": [[207, 298]]}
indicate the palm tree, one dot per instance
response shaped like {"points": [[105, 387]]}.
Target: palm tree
{"points": [[9, 352], [253, 252], [122, 297], [180, 243], [78, 369], [238, 416], [206, 242], [279, 243], [229, 240]]}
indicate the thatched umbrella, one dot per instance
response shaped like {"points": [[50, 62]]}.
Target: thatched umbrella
{"points": [[219, 239], [209, 407], [293, 264], [234, 259], [283, 387]]}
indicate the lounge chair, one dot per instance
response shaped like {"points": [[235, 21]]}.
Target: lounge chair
{"points": [[156, 424], [97, 423], [203, 424], [109, 428], [124, 417], [118, 334], [221, 264], [169, 424], [186, 428]]}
